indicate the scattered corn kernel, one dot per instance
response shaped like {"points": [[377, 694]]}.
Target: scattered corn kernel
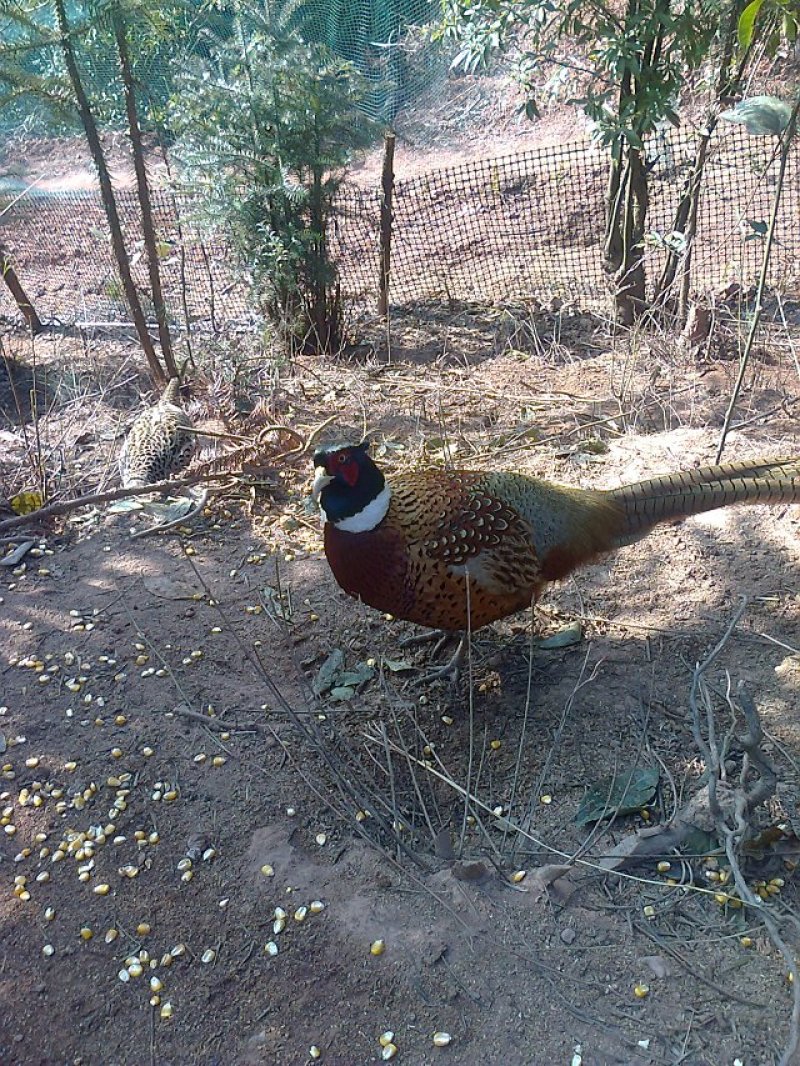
{"points": [[386, 1038], [208, 956], [663, 866], [377, 947], [640, 991], [441, 1039], [102, 889]]}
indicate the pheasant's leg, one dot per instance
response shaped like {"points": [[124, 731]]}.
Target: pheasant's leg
{"points": [[451, 671]]}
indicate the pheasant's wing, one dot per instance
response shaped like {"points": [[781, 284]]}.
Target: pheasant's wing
{"points": [[455, 529]]}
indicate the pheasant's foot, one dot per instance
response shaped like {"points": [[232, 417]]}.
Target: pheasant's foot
{"points": [[451, 671], [441, 636]]}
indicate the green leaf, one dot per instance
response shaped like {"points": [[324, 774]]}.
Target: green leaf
{"points": [[626, 792], [758, 229], [564, 638], [328, 672], [26, 502], [762, 116], [747, 21]]}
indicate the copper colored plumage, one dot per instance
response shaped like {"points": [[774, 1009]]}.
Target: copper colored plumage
{"points": [[158, 444], [456, 550]]}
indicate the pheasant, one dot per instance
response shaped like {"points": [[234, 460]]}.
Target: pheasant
{"points": [[458, 549], [159, 443]]}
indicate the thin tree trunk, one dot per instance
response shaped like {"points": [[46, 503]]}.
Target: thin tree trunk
{"points": [[685, 220], [635, 280], [627, 201], [107, 192], [26, 308], [143, 190]]}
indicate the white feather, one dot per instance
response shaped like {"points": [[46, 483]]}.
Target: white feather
{"points": [[370, 517]]}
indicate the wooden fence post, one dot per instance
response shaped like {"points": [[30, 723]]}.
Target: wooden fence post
{"points": [[387, 187]]}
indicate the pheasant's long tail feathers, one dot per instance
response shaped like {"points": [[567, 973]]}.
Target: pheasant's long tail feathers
{"points": [[645, 504]]}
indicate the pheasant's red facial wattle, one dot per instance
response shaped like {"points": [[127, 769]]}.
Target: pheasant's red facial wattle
{"points": [[342, 464]]}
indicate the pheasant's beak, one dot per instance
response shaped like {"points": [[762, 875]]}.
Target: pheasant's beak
{"points": [[321, 479]]}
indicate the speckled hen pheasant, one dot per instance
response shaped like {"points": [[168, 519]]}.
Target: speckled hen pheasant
{"points": [[409, 545], [158, 444]]}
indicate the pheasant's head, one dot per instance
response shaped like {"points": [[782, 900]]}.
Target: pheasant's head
{"points": [[349, 489]]}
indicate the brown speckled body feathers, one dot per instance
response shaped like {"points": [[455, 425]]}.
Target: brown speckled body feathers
{"points": [[511, 534], [157, 445]]}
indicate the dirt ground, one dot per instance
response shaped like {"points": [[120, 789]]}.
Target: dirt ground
{"points": [[170, 778]]}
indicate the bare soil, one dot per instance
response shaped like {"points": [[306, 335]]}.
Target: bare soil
{"points": [[161, 690]]}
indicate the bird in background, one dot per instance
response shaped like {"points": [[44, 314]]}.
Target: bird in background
{"points": [[160, 442], [458, 549]]}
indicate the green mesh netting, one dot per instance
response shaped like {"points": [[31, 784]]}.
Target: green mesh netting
{"points": [[385, 39]]}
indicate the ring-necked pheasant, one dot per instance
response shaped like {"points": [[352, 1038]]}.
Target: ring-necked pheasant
{"points": [[408, 546], [158, 444]]}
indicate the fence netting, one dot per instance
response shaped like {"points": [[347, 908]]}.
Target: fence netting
{"points": [[511, 228]]}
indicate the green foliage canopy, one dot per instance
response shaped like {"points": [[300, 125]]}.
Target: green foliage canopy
{"points": [[629, 61]]}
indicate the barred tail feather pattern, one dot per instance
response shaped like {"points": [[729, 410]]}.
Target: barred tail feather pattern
{"points": [[645, 504]]}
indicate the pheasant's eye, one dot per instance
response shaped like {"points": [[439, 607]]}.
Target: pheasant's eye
{"points": [[342, 458]]}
